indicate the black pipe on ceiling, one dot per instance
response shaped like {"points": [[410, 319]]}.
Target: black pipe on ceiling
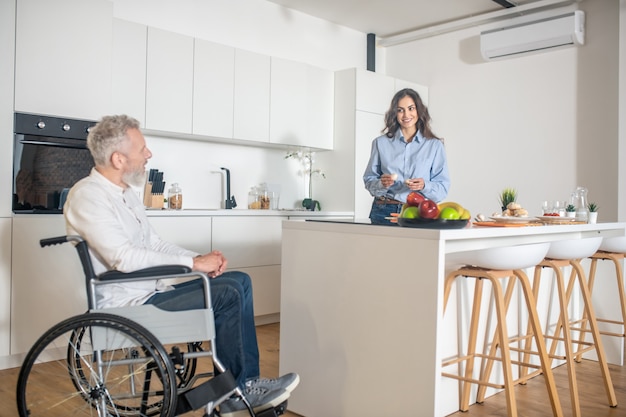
{"points": [[505, 3]]}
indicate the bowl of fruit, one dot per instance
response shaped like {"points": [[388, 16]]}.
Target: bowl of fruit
{"points": [[422, 213]]}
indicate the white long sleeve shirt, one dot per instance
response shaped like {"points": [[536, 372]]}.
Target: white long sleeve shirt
{"points": [[113, 221]]}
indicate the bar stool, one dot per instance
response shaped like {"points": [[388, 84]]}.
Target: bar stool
{"points": [[611, 249], [496, 265], [564, 254]]}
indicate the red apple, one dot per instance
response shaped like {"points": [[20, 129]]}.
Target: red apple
{"points": [[429, 209], [414, 198]]}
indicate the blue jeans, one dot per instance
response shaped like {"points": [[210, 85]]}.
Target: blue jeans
{"points": [[380, 211], [231, 297]]}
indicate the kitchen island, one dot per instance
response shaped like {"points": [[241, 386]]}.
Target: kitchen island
{"points": [[361, 312]]}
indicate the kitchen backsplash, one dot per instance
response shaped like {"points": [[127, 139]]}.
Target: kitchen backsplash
{"points": [[196, 168]]}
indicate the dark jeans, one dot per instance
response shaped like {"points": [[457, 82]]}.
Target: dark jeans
{"points": [[380, 211], [231, 297]]}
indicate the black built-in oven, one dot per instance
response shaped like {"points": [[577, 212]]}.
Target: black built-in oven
{"points": [[49, 156]]}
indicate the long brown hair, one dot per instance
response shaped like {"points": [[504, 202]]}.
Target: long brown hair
{"points": [[423, 121]]}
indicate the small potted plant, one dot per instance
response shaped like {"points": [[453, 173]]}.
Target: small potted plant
{"points": [[570, 210], [593, 212], [508, 195]]}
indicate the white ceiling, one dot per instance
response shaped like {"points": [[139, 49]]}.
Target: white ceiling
{"points": [[392, 17]]}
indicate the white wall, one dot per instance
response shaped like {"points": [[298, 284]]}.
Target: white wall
{"points": [[542, 123], [254, 25]]}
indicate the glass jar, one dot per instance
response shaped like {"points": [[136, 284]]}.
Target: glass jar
{"points": [[253, 199], [175, 197]]}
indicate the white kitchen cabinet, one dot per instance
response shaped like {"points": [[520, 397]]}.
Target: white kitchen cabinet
{"points": [[169, 81], [373, 90], [365, 130], [248, 241], [301, 110], [266, 291], [193, 233], [252, 96], [48, 284], [213, 89], [253, 245], [129, 69], [63, 57], [5, 286]]}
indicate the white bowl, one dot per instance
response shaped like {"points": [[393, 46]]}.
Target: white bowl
{"points": [[574, 248], [614, 244], [508, 257]]}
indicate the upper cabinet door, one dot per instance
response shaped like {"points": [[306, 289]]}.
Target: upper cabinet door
{"points": [[169, 81], [321, 107], [288, 108], [302, 102], [213, 86], [63, 57], [129, 69], [252, 96], [373, 91]]}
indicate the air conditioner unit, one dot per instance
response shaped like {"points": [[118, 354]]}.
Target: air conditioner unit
{"points": [[551, 32]]}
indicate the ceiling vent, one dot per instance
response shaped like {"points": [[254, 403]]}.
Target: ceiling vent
{"points": [[551, 32]]}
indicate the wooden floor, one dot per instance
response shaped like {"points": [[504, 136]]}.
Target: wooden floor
{"points": [[531, 399]]}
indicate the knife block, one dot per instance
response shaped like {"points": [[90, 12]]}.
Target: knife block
{"points": [[154, 201]]}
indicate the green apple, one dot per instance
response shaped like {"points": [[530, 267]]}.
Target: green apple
{"points": [[410, 212]]}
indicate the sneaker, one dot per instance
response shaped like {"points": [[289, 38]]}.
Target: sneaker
{"points": [[260, 399], [288, 382]]}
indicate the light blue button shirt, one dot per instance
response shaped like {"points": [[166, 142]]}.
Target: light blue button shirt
{"points": [[421, 158]]}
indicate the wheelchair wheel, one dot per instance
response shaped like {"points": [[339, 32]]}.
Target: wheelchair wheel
{"points": [[97, 364]]}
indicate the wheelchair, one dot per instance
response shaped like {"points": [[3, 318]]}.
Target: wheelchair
{"points": [[114, 362]]}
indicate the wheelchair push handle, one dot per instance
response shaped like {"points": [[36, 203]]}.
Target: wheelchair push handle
{"points": [[59, 240]]}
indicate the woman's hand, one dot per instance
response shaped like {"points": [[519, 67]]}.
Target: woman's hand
{"points": [[388, 179], [415, 184]]}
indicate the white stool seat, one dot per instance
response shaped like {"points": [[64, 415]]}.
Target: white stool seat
{"points": [[574, 248], [614, 244], [508, 257]]}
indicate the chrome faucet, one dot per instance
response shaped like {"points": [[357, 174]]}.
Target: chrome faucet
{"points": [[230, 202]]}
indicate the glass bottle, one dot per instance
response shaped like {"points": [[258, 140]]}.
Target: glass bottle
{"points": [[175, 197], [582, 212]]}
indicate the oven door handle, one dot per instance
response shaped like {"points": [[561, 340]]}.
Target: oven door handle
{"points": [[55, 144]]}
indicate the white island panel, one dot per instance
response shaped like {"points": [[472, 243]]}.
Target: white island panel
{"points": [[361, 312]]}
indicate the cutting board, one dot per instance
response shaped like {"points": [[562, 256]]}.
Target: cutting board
{"points": [[502, 224]]}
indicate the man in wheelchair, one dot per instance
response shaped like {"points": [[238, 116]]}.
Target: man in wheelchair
{"points": [[107, 213]]}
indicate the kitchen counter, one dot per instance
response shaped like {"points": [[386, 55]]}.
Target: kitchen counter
{"points": [[224, 212], [247, 212], [361, 312]]}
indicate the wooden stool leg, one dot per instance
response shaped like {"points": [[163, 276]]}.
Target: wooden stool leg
{"points": [[584, 289], [546, 368], [524, 374], [486, 372], [615, 258], [504, 347], [564, 325], [447, 287], [471, 345]]}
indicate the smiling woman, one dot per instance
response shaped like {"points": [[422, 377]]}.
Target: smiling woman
{"points": [[408, 159]]}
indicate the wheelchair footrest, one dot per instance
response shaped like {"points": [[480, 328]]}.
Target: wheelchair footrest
{"points": [[211, 390], [273, 412]]}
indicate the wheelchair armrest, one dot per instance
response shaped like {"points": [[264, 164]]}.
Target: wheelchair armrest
{"points": [[152, 271]]}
